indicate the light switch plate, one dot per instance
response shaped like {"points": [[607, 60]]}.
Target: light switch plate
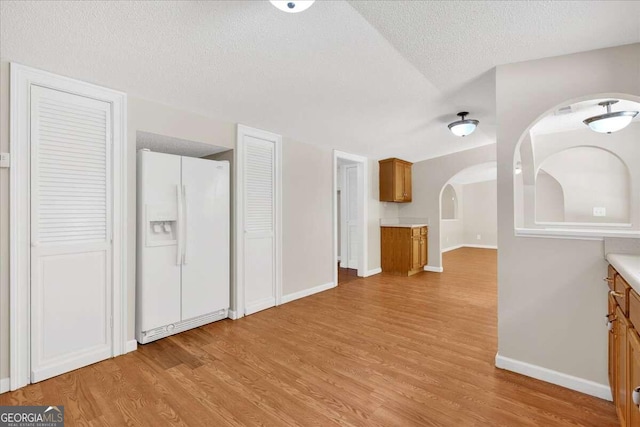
{"points": [[599, 211], [5, 160]]}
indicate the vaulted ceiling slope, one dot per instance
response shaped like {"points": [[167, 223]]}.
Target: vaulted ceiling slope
{"points": [[378, 78]]}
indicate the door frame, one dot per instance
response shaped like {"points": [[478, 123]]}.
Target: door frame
{"points": [[21, 80], [363, 211], [238, 287]]}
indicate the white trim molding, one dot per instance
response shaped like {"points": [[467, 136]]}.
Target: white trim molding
{"points": [[451, 248], [591, 388], [481, 246], [307, 292], [5, 385], [233, 315], [373, 272], [132, 345], [21, 80], [433, 269]]}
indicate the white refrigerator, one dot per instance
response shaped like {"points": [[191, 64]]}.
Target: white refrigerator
{"points": [[182, 277]]}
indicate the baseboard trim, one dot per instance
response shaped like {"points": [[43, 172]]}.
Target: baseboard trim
{"points": [[5, 385], [481, 246], [433, 269], [132, 345], [307, 292], [373, 272], [451, 248], [554, 377]]}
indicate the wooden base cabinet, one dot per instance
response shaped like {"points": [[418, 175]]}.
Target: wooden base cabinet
{"points": [[624, 349], [404, 250]]}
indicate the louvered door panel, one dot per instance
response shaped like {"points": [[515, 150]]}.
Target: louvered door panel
{"points": [[259, 186], [70, 231], [259, 214], [72, 161]]}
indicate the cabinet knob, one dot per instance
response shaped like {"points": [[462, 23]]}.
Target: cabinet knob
{"points": [[610, 325], [635, 395], [608, 280], [616, 294]]}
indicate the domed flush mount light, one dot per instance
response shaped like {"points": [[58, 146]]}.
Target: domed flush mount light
{"points": [[463, 127], [610, 122], [292, 6]]}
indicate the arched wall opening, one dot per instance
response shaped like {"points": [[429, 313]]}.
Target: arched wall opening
{"points": [[568, 177]]}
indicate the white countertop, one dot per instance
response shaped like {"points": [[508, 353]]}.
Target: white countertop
{"points": [[404, 225], [628, 266]]}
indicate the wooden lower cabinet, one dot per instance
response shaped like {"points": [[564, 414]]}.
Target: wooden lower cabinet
{"points": [[611, 326], [624, 353], [622, 329], [404, 249], [633, 375]]}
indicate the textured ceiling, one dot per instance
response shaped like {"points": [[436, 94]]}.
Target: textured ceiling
{"points": [[373, 78], [456, 44], [565, 120]]}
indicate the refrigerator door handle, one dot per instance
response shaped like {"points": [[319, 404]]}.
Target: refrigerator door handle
{"points": [[184, 212], [179, 225]]}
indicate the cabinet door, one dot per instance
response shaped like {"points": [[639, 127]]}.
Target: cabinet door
{"points": [[621, 366], [406, 176], [633, 347], [423, 250], [398, 181], [611, 314], [415, 252]]}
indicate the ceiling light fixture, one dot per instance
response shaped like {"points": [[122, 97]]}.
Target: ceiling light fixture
{"points": [[610, 122], [292, 6], [463, 127]]}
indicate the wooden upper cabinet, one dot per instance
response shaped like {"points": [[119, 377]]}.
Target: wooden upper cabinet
{"points": [[395, 180]]}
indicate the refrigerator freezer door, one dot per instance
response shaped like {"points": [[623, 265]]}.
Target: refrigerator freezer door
{"points": [[158, 273], [205, 269]]}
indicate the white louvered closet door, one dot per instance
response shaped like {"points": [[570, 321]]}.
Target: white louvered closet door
{"points": [[70, 232], [259, 224]]}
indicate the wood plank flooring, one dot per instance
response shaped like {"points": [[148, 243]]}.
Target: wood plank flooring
{"points": [[381, 351]]}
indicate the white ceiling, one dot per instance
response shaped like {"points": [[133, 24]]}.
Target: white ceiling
{"points": [[377, 78], [561, 121], [170, 145]]}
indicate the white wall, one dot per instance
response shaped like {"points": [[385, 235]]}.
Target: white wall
{"points": [[429, 177], [480, 215], [551, 298], [549, 198], [307, 216]]}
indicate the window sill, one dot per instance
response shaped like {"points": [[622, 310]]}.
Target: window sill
{"points": [[582, 234]]}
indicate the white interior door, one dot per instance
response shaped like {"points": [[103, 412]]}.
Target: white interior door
{"points": [[71, 220], [351, 214], [205, 258], [259, 247]]}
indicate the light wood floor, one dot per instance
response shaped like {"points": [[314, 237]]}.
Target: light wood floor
{"points": [[381, 351]]}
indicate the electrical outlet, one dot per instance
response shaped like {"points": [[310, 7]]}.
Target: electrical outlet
{"points": [[478, 237], [599, 211], [5, 160]]}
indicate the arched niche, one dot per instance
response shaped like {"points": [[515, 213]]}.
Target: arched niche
{"points": [[449, 203], [564, 173]]}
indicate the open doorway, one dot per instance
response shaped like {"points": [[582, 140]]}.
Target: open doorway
{"points": [[350, 210], [468, 209]]}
